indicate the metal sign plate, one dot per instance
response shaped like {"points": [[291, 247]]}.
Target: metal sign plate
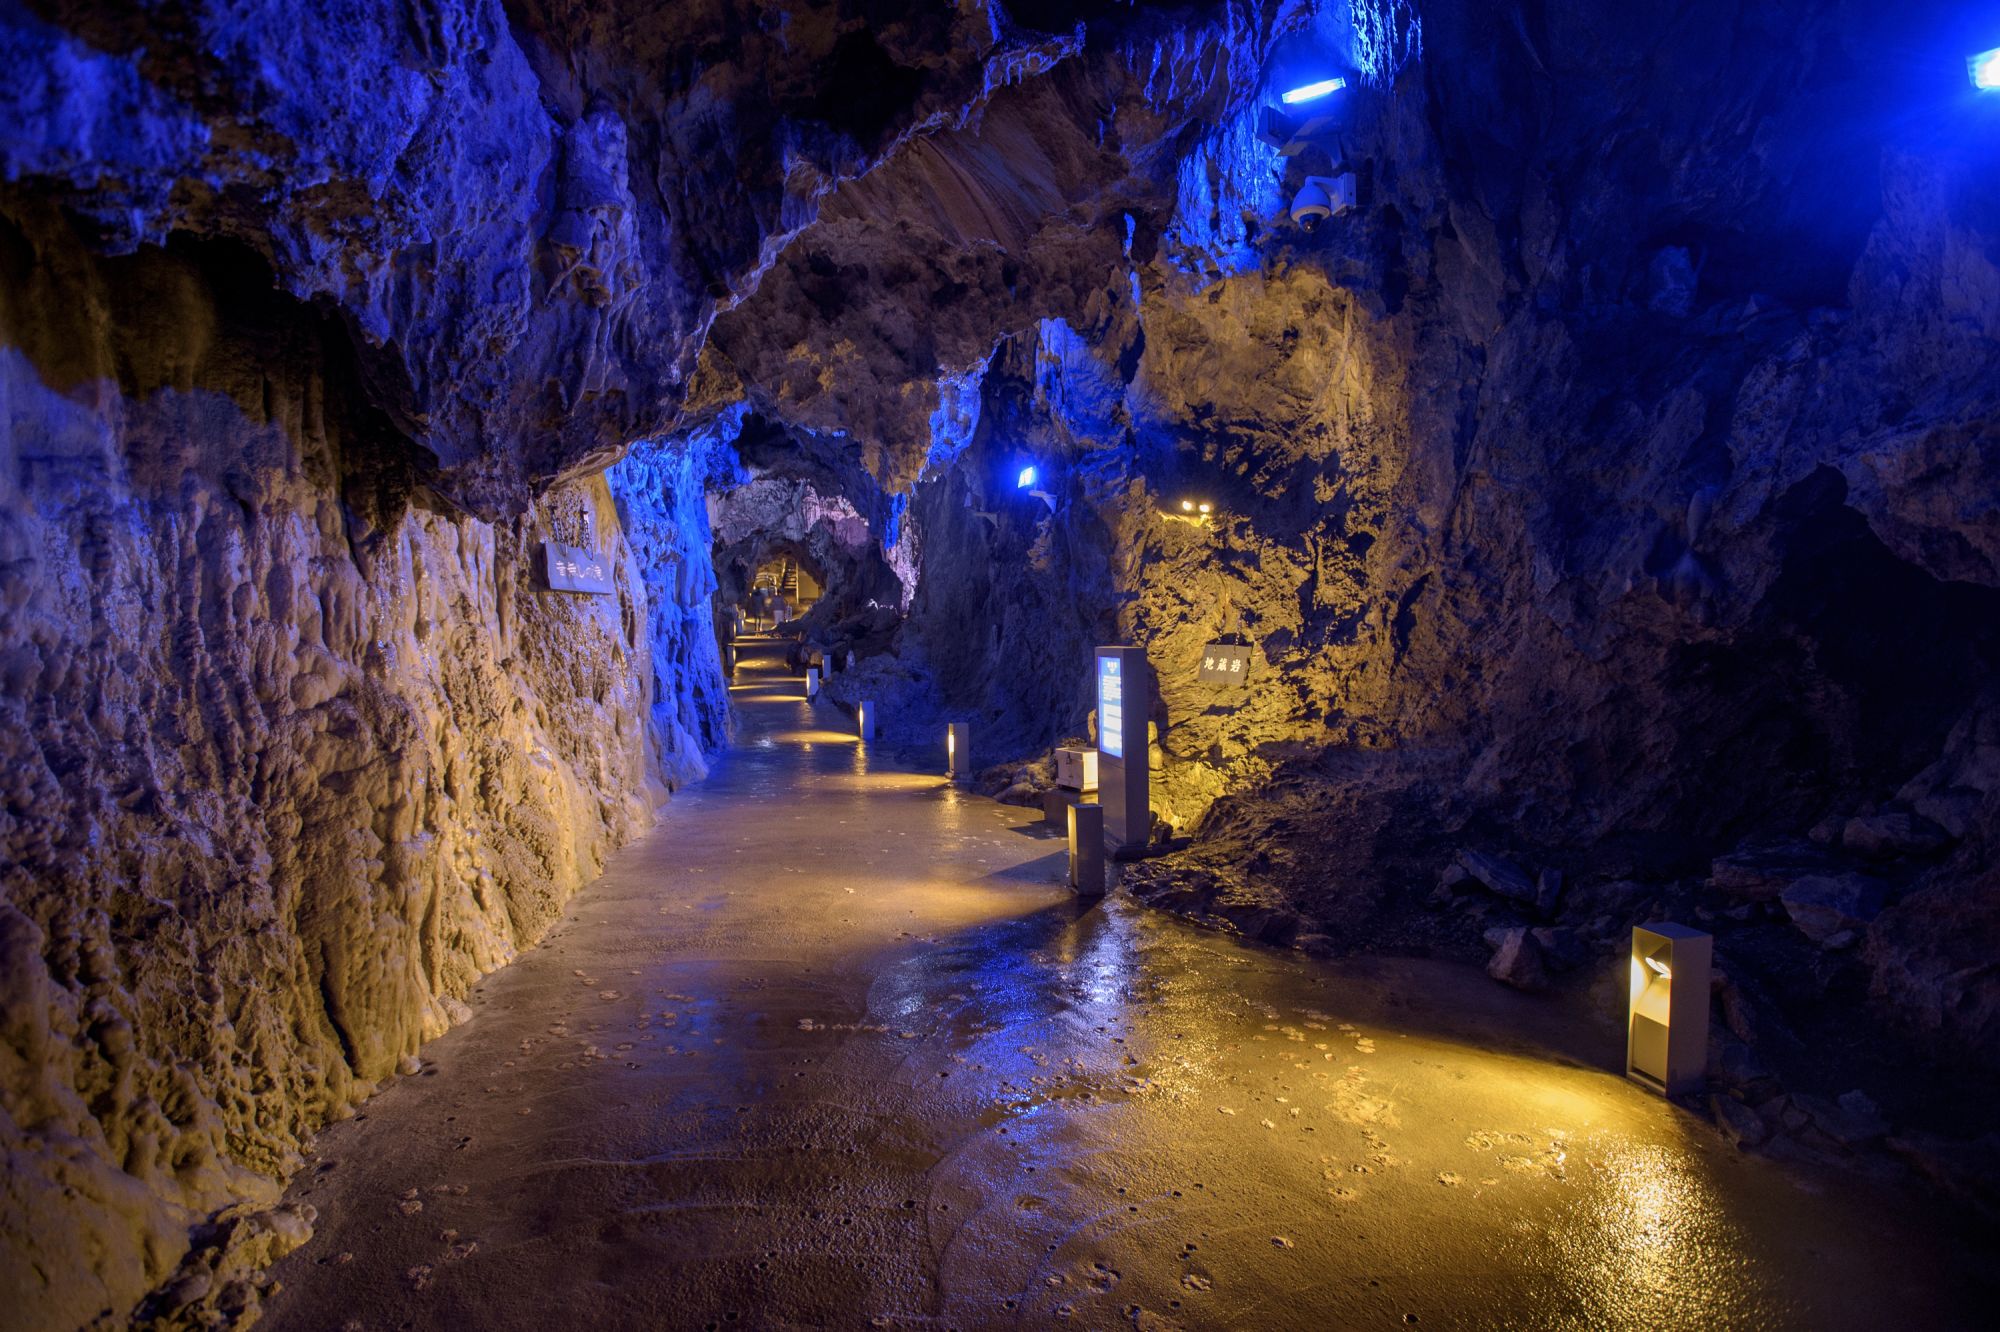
{"points": [[1225, 663], [574, 569]]}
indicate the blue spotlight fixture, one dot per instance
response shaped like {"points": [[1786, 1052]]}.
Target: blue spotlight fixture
{"points": [[1026, 478], [1985, 70], [1312, 92]]}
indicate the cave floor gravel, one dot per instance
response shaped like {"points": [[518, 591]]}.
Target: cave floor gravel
{"points": [[833, 1046]]}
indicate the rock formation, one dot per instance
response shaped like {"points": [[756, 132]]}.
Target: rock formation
{"points": [[1608, 500]]}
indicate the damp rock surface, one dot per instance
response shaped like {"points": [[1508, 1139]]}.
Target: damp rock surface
{"points": [[293, 757], [912, 1080]]}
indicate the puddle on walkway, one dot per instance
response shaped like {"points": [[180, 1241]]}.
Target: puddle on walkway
{"points": [[833, 1047]]}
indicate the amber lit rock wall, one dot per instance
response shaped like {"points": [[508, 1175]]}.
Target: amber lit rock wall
{"points": [[1612, 490]]}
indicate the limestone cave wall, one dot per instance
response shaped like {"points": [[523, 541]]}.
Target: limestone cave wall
{"points": [[294, 752]]}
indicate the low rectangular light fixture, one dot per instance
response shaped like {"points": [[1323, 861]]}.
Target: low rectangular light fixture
{"points": [[1666, 1045], [1312, 91], [1985, 70]]}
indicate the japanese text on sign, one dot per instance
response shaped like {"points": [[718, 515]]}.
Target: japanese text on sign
{"points": [[1225, 663], [573, 569]]}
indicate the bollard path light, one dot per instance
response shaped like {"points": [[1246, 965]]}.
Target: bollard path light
{"points": [[1667, 1041], [812, 682], [864, 720], [958, 750]]}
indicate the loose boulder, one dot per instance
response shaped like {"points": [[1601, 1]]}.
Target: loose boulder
{"points": [[1826, 906], [1762, 871], [1512, 882], [1892, 835], [1738, 1122], [1517, 959]]}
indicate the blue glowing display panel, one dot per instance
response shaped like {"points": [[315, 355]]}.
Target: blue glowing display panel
{"points": [[1110, 708]]}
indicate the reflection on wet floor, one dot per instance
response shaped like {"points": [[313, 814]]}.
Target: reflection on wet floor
{"points": [[833, 1047]]}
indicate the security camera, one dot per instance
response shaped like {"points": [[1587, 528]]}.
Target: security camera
{"points": [[1323, 197]]}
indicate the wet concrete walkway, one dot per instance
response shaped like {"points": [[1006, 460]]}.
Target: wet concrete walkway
{"points": [[833, 1047]]}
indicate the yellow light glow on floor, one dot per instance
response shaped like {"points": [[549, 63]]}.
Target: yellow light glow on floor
{"points": [[882, 783], [814, 737]]}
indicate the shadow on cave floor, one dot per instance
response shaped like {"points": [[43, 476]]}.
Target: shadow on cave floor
{"points": [[832, 1045]]}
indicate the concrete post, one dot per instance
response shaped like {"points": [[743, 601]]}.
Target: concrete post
{"points": [[1055, 806], [1086, 849]]}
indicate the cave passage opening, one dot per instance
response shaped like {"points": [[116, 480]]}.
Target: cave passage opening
{"points": [[784, 588]]}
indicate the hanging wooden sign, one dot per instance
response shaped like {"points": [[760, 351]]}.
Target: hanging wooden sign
{"points": [[1225, 663], [574, 569]]}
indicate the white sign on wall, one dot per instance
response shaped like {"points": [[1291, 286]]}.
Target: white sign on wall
{"points": [[574, 569], [1225, 663]]}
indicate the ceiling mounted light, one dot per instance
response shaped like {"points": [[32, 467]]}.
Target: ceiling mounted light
{"points": [[1204, 507], [1187, 506], [1312, 91], [1026, 478], [1985, 70]]}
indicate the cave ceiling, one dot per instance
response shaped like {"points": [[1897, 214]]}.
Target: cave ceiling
{"points": [[557, 229]]}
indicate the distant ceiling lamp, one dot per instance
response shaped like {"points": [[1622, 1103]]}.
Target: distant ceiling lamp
{"points": [[1985, 70], [1027, 477], [1312, 92], [1197, 506]]}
